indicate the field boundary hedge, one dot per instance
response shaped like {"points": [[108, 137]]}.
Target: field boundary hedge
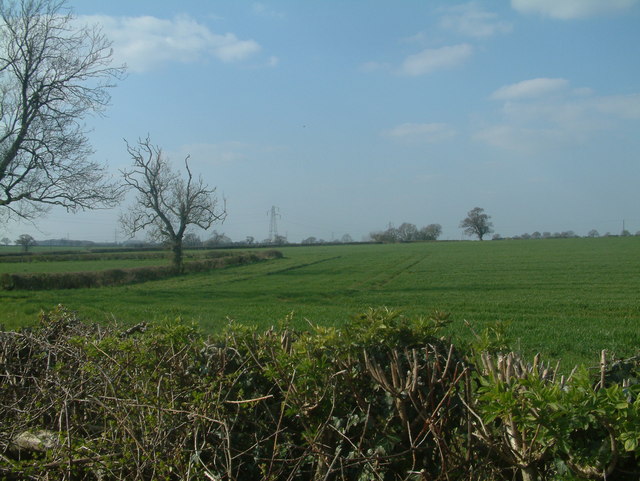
{"points": [[115, 277], [386, 397], [97, 255]]}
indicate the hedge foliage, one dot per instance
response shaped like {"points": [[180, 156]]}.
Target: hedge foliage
{"points": [[384, 398], [113, 277]]}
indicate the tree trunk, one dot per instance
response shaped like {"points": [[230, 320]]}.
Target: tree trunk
{"points": [[529, 474], [177, 255]]}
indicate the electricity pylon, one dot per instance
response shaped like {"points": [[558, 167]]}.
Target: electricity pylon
{"points": [[273, 226]]}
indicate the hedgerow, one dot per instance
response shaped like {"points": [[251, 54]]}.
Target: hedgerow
{"points": [[113, 277], [383, 398]]}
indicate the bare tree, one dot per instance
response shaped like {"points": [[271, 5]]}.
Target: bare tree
{"points": [[477, 223], [191, 239], [26, 241], [346, 239], [53, 73], [6, 241], [166, 203], [218, 239]]}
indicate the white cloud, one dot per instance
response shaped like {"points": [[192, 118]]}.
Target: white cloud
{"points": [[471, 20], [430, 132], [433, 59], [147, 42], [622, 106], [571, 9], [537, 87], [532, 121]]}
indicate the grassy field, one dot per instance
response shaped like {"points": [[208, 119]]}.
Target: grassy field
{"points": [[567, 298]]}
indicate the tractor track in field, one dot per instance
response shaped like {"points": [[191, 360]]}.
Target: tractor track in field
{"points": [[302, 266], [284, 270], [382, 280]]}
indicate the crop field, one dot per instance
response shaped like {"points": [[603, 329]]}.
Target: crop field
{"points": [[566, 298]]}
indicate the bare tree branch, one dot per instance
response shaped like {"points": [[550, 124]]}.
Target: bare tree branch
{"points": [[166, 203], [52, 75]]}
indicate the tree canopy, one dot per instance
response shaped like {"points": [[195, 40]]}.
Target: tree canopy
{"points": [[477, 223]]}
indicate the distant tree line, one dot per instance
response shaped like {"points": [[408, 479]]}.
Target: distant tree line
{"points": [[407, 232], [345, 239], [568, 234]]}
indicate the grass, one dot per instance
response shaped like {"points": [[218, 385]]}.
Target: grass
{"points": [[567, 298]]}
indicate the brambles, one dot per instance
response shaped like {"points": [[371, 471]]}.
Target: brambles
{"points": [[386, 397]]}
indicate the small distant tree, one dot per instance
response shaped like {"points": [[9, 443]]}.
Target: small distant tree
{"points": [[167, 203], [6, 241], [388, 236], [477, 223], [536, 235], [280, 240], [625, 233], [218, 239], [346, 239], [430, 232], [407, 232], [250, 240], [192, 240], [309, 240], [496, 237], [593, 233], [26, 241]]}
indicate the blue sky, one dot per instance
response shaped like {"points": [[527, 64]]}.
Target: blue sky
{"points": [[350, 115]]}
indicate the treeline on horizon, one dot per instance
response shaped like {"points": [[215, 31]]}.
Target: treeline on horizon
{"points": [[406, 232]]}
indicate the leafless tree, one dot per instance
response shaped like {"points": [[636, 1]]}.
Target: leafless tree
{"points": [[26, 241], [166, 203], [53, 73]]}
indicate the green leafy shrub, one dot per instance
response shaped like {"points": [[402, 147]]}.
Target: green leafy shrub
{"points": [[386, 397]]}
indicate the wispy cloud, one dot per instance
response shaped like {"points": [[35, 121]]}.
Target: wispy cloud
{"points": [[147, 42], [533, 88], [428, 132], [433, 59], [374, 66], [471, 20], [544, 114], [571, 9], [264, 10]]}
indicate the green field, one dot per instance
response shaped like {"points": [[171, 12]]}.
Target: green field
{"points": [[568, 298]]}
